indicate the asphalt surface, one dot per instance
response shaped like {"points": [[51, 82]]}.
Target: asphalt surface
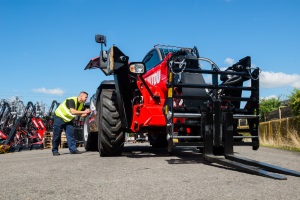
{"points": [[142, 173]]}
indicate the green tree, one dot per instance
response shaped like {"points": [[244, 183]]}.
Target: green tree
{"points": [[268, 105], [295, 101]]}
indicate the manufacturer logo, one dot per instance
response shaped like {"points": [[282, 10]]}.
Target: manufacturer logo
{"points": [[154, 79]]}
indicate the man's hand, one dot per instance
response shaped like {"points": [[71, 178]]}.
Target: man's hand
{"points": [[86, 112], [80, 113]]}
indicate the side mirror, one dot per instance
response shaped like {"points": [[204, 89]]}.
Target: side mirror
{"points": [[100, 39], [137, 68]]}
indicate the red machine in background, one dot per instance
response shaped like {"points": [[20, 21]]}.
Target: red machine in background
{"points": [[4, 113], [28, 130], [48, 118]]}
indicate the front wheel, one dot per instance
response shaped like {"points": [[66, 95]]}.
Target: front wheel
{"points": [[110, 135]]}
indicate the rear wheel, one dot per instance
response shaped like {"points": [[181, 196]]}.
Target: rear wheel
{"points": [[90, 139], [110, 135]]}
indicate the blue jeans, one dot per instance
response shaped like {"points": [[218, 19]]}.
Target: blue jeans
{"points": [[58, 126]]}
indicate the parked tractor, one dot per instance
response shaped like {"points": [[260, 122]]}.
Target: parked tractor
{"points": [[176, 101]]}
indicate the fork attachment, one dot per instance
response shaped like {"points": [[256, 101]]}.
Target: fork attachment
{"points": [[237, 162]]}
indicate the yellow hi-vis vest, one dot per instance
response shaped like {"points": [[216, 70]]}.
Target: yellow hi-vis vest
{"points": [[63, 111]]}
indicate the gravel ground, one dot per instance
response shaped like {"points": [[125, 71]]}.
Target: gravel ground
{"points": [[142, 173]]}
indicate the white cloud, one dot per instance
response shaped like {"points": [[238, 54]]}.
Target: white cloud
{"points": [[278, 79], [270, 97], [296, 84], [229, 61], [56, 91]]}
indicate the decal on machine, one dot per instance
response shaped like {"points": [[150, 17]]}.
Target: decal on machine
{"points": [[154, 79]]}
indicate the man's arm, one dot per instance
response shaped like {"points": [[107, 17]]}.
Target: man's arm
{"points": [[71, 105], [77, 112]]}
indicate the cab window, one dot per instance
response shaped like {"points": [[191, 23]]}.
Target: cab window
{"points": [[151, 59]]}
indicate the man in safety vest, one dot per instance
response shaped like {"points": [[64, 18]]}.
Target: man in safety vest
{"points": [[63, 120]]}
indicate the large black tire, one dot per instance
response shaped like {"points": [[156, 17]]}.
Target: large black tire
{"points": [[90, 139], [111, 138]]}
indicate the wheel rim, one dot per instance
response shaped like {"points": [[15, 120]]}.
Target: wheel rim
{"points": [[85, 130]]}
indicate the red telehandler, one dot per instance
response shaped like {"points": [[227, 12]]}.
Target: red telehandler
{"points": [[27, 132], [172, 98], [5, 116]]}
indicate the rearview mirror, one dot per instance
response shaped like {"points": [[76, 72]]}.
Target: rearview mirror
{"points": [[100, 39]]}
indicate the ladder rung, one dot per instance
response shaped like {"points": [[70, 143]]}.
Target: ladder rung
{"points": [[238, 116], [185, 137], [187, 115], [245, 136]]}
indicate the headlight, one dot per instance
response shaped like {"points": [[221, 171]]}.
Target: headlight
{"points": [[137, 68]]}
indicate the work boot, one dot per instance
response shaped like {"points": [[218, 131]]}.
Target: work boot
{"points": [[56, 153], [76, 152]]}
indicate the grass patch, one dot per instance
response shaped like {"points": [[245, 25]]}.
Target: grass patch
{"points": [[291, 142]]}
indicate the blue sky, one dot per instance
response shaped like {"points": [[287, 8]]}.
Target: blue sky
{"points": [[45, 44]]}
